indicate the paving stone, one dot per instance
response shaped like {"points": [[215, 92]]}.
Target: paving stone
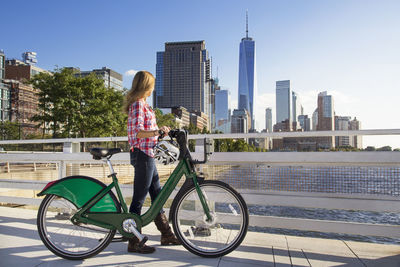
{"points": [[20, 245]]}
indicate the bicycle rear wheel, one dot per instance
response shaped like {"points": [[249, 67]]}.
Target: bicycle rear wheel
{"points": [[62, 237], [224, 232]]}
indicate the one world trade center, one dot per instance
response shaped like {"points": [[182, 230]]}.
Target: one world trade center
{"points": [[247, 75]]}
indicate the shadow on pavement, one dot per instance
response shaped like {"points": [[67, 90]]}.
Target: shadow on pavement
{"points": [[33, 253]]}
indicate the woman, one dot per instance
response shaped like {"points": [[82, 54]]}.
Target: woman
{"points": [[142, 136]]}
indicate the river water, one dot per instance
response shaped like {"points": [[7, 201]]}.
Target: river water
{"points": [[365, 181]]}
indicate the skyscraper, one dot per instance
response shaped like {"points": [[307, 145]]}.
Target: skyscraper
{"points": [[326, 119], [297, 108], [315, 119], [305, 122], [214, 87], [159, 86], [342, 123], [325, 112], [357, 139], [183, 77], [284, 102], [222, 107], [247, 75], [240, 121], [268, 120]]}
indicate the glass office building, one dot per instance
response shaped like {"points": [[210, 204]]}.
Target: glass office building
{"points": [[183, 77], [222, 106], [268, 120], [159, 78], [247, 76], [283, 101]]}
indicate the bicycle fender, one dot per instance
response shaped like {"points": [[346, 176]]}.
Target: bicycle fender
{"points": [[79, 190]]}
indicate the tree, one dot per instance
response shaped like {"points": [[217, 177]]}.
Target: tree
{"points": [[385, 148], [9, 130], [165, 119], [205, 131], [72, 106], [192, 129]]}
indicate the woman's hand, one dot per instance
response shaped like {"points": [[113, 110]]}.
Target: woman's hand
{"points": [[165, 129]]}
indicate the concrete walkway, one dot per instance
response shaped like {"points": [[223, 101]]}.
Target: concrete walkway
{"points": [[20, 245]]}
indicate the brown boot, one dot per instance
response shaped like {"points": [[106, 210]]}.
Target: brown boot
{"points": [[167, 237], [133, 246]]}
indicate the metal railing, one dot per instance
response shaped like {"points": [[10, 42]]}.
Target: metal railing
{"points": [[309, 181]]}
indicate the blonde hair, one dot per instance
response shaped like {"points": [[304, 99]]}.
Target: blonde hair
{"points": [[142, 83]]}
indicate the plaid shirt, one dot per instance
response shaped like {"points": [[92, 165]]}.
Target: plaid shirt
{"points": [[141, 117]]}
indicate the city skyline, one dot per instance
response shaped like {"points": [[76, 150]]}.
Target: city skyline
{"points": [[348, 48]]}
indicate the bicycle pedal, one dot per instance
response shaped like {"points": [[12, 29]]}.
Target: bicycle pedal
{"points": [[120, 239], [144, 240]]}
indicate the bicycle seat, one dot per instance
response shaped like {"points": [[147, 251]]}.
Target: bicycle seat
{"points": [[99, 153]]}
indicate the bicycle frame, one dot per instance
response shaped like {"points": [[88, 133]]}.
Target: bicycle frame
{"points": [[113, 220]]}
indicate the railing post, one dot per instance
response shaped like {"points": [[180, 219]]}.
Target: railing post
{"points": [[199, 148], [69, 147], [8, 167], [62, 172]]}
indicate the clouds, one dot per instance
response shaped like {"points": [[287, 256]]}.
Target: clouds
{"points": [[130, 73], [128, 77]]}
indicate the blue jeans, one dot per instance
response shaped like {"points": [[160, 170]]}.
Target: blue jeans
{"points": [[146, 180]]}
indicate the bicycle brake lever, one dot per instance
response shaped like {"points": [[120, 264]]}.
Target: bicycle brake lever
{"points": [[161, 135]]}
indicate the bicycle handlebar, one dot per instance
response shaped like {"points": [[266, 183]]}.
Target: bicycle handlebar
{"points": [[181, 138]]}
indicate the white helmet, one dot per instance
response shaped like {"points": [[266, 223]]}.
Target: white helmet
{"points": [[166, 152]]}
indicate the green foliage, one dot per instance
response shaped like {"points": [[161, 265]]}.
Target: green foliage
{"points": [[345, 148], [9, 130], [72, 106], [165, 119], [192, 129], [385, 148], [234, 145], [205, 131], [231, 145], [370, 148]]}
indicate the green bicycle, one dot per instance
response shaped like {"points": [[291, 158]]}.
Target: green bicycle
{"points": [[80, 215]]}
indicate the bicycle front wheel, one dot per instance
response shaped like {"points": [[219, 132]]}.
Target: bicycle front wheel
{"points": [[227, 227], [65, 239]]}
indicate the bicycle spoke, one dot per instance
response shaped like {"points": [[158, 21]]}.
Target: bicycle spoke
{"points": [[65, 238], [225, 230]]}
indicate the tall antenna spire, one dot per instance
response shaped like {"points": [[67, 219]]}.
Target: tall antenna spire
{"points": [[247, 24]]}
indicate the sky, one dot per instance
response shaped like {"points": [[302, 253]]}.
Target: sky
{"points": [[349, 48]]}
